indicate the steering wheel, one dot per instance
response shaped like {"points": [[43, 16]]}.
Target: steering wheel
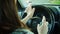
{"points": [[41, 11]]}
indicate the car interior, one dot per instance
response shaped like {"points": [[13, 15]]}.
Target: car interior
{"points": [[48, 8]]}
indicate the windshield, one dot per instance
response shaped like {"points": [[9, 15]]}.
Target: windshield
{"points": [[39, 2]]}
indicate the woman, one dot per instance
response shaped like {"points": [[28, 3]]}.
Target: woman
{"points": [[9, 19]]}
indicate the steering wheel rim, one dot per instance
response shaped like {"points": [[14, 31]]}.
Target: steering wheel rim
{"points": [[51, 25]]}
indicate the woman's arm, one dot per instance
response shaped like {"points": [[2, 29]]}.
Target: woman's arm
{"points": [[30, 11], [22, 31]]}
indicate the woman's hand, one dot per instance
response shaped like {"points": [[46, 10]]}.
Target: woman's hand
{"points": [[43, 29], [30, 11]]}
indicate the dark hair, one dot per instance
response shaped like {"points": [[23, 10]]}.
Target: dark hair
{"points": [[9, 19]]}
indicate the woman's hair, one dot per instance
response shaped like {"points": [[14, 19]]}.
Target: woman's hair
{"points": [[9, 19]]}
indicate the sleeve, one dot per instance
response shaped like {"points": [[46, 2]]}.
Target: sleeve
{"points": [[22, 31]]}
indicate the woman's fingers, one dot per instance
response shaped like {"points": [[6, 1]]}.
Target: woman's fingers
{"points": [[28, 8], [43, 19], [33, 10], [38, 29], [44, 22]]}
